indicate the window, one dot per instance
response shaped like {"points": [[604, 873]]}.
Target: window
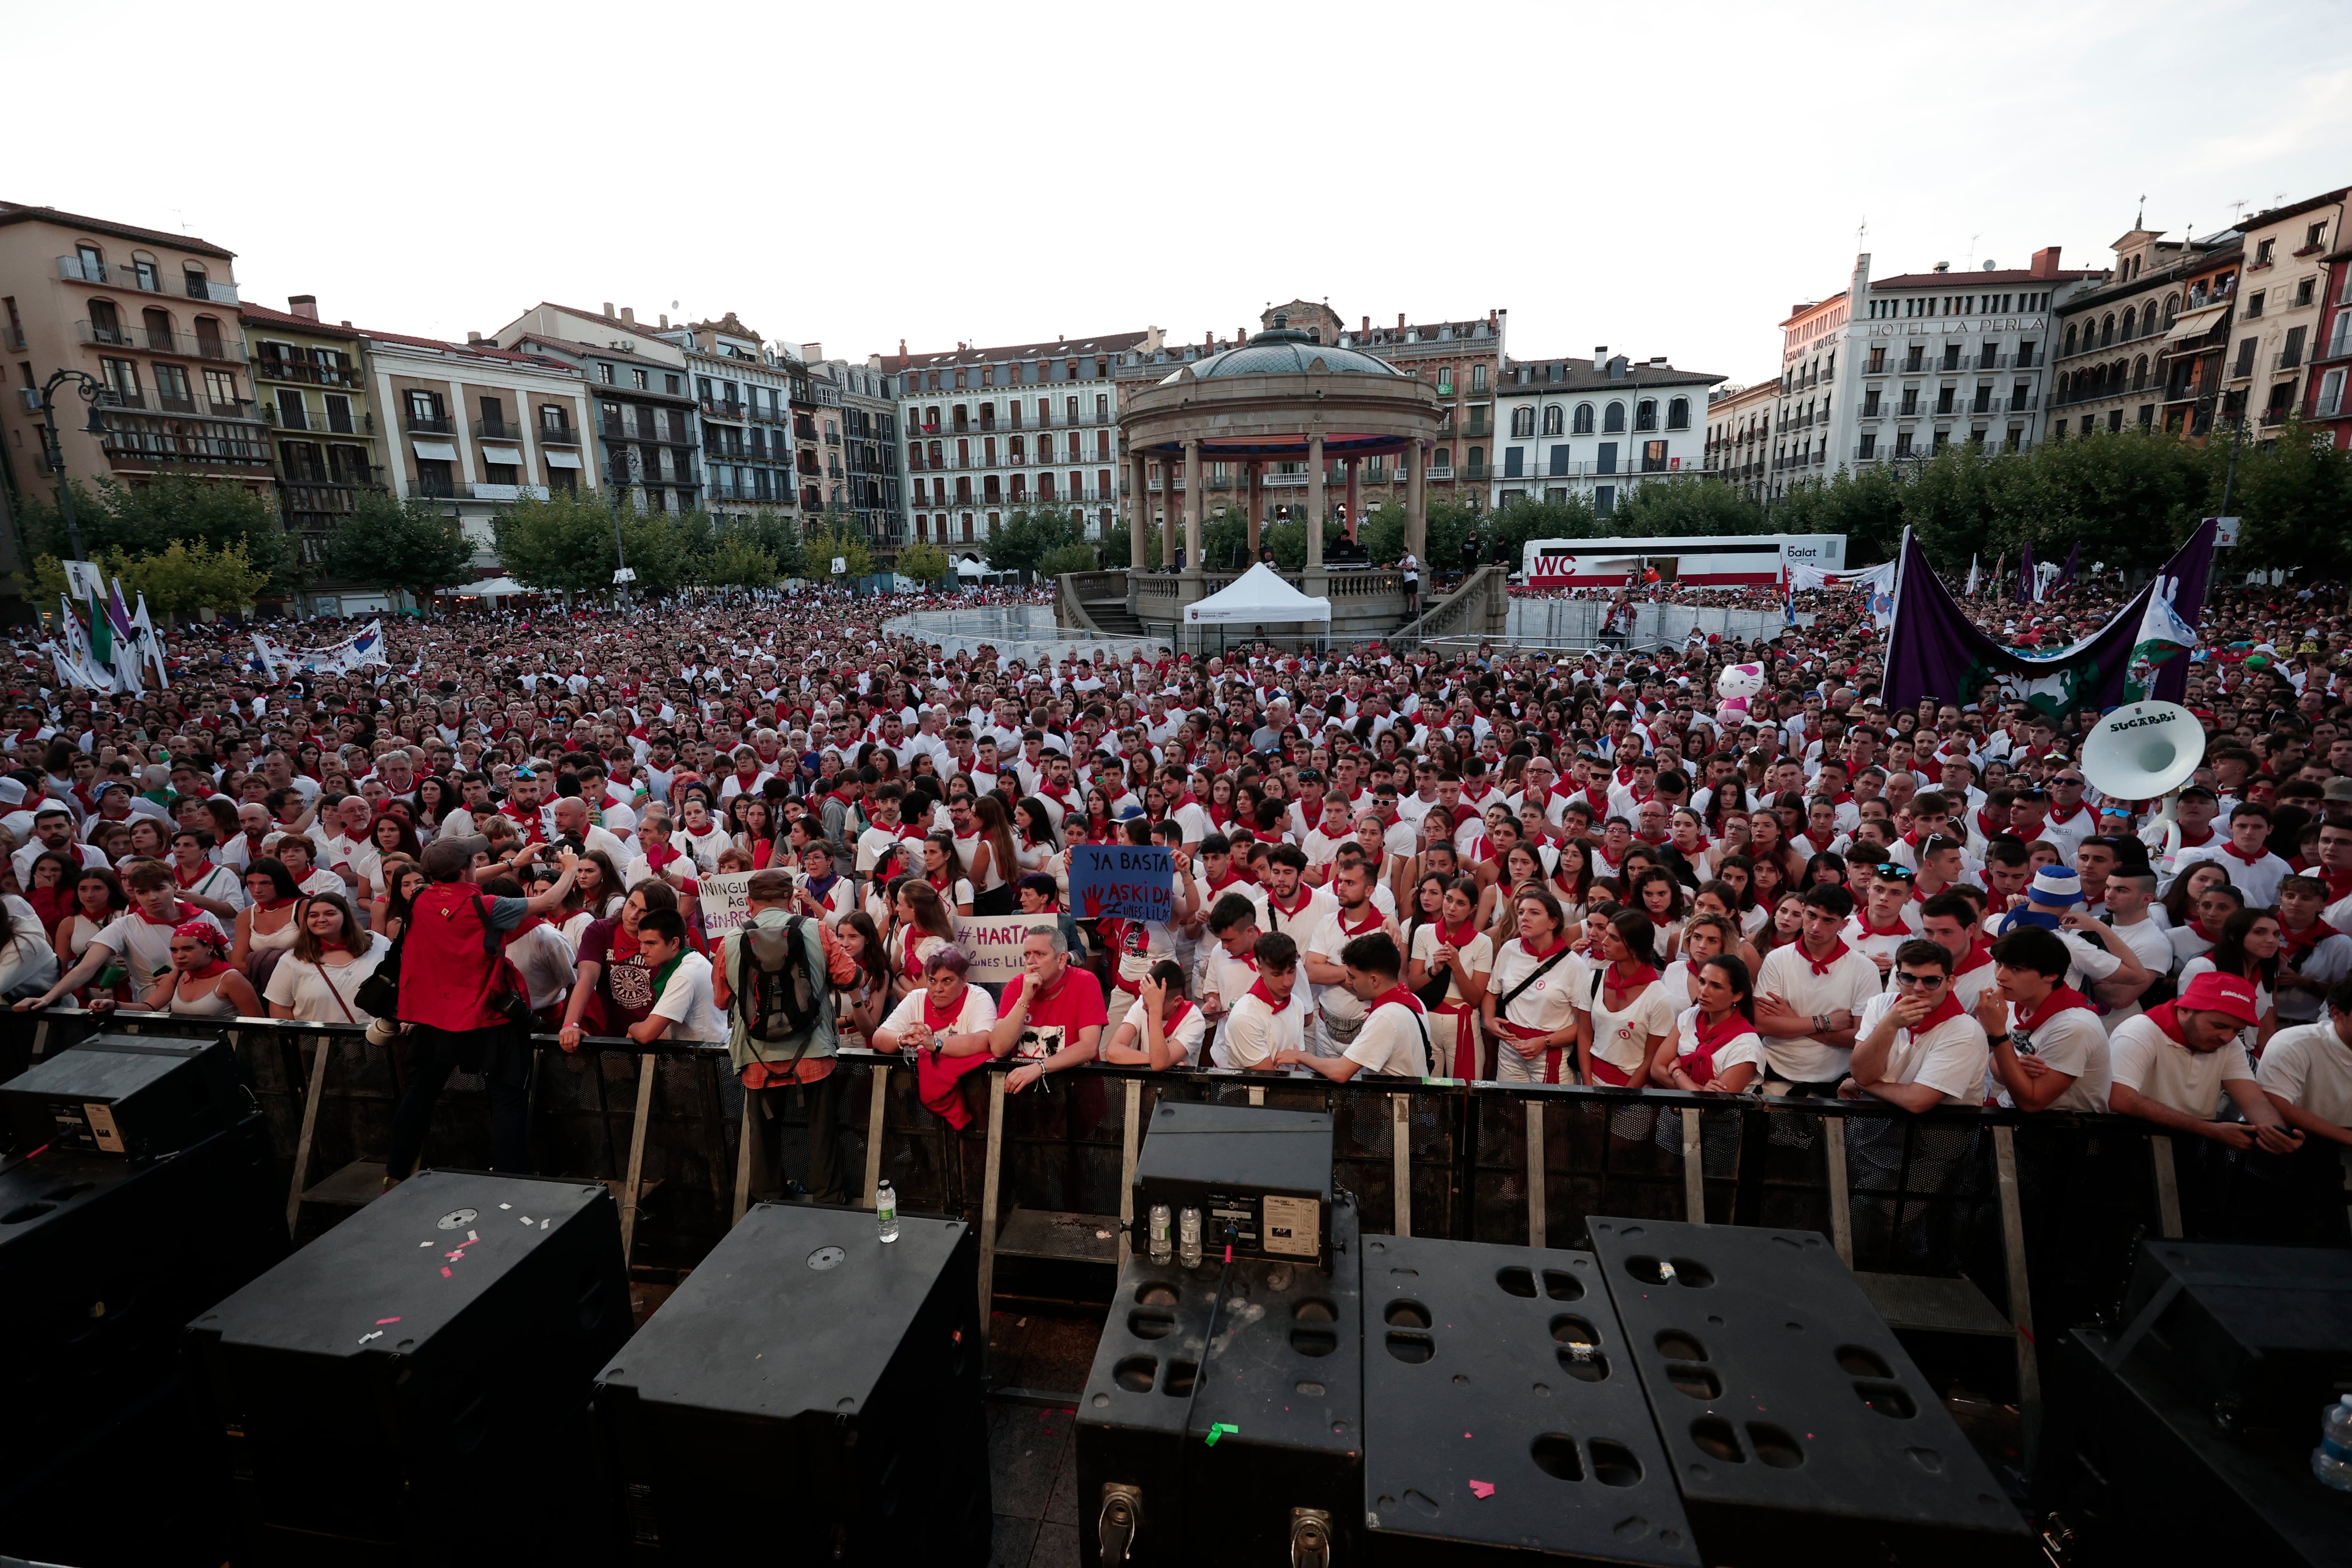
{"points": [[643, 379], [1654, 457], [93, 263], [604, 372], [1912, 361], [1679, 413], [2108, 330], [1951, 357], [2315, 236], [1943, 439], [433, 477], [1604, 500], [501, 474], [1523, 422], [1605, 462], [2070, 339], [1477, 378], [1877, 365], [105, 325], [2292, 355], [672, 384], [1910, 402], [2130, 315], [1870, 403], [1558, 460], [2265, 252], [1515, 457], [1983, 403], [1902, 444], [173, 395], [1478, 460], [1645, 414], [2302, 292], [1614, 419], [2139, 373], [1584, 419], [2254, 302], [2245, 365], [2331, 395], [1869, 448], [338, 416]]}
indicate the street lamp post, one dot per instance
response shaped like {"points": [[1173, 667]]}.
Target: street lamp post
{"points": [[621, 576], [44, 403]]}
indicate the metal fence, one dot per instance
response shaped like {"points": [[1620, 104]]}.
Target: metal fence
{"points": [[1575, 624]]}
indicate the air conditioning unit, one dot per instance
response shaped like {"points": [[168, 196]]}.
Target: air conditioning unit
{"points": [[32, 397]]}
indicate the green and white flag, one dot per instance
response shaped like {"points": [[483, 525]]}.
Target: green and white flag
{"points": [[2163, 638]]}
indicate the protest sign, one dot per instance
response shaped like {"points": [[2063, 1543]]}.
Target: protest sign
{"points": [[1136, 881], [992, 943], [726, 902]]}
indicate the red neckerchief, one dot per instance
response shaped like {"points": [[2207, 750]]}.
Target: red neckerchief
{"points": [[1844, 799], [1623, 977], [1653, 843], [2203, 935], [1398, 994], [2234, 853], [2061, 997], [1912, 838], [2064, 818], [1706, 1036], [1305, 897], [186, 881], [2189, 843], [2339, 883], [1989, 831], [1820, 846], [1898, 929], [1257, 989], [211, 967], [2166, 1017], [1949, 1007], [936, 1021], [1371, 921], [1979, 955], [183, 912], [1231, 877], [2309, 937], [1458, 938], [1820, 966], [1559, 939]]}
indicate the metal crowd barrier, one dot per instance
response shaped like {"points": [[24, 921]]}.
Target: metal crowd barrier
{"points": [[1963, 1220]]}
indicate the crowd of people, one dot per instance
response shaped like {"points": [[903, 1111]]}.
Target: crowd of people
{"points": [[1510, 865]]}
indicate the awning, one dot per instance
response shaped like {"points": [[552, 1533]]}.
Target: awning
{"points": [[435, 451], [2194, 323], [562, 459], [508, 455]]}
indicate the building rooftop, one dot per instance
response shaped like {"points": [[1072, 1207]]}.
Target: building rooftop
{"points": [[1101, 343], [483, 350], [1577, 375], [1284, 351], [254, 315], [16, 212]]}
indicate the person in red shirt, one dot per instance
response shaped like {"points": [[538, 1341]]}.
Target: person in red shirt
{"points": [[1053, 1015]]}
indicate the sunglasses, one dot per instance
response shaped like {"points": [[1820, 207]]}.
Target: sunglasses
{"points": [[1928, 981]]}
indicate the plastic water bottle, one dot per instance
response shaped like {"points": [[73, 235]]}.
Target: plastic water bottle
{"points": [[885, 1212], [1187, 1238], [2332, 1460], [1160, 1240]]}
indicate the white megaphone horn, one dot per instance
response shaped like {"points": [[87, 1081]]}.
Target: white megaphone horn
{"points": [[2145, 751]]}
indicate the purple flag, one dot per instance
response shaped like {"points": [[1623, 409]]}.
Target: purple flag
{"points": [[2025, 594], [2066, 578], [1934, 651]]}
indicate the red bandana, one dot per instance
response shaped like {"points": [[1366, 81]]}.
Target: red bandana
{"points": [[1398, 994], [1708, 1037], [1949, 1007], [2298, 943], [1631, 976], [1868, 930], [2256, 858], [1979, 955], [1820, 966], [936, 1021], [2061, 997], [1372, 922]]}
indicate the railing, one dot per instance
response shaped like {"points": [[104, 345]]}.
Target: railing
{"points": [[499, 430], [556, 435], [122, 276], [429, 424], [276, 367], [139, 444], [1477, 471]]}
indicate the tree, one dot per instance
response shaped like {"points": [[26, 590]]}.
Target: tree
{"points": [[178, 579], [738, 563], [1685, 507], [1067, 558], [561, 545], [1508, 532], [924, 562], [1118, 546], [839, 537], [412, 546], [1030, 535], [175, 506]]}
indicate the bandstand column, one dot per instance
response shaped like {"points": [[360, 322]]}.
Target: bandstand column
{"points": [[1192, 505], [1253, 504], [1355, 498], [1315, 503], [1416, 507], [1139, 511]]}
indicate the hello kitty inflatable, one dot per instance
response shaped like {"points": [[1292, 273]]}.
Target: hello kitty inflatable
{"points": [[1734, 688]]}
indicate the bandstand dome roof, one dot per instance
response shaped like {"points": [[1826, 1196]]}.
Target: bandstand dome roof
{"points": [[1283, 351]]}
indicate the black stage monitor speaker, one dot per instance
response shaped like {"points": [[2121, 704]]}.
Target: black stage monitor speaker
{"points": [[1224, 1418], [1503, 1418], [807, 1354], [1258, 1181], [104, 1260], [2263, 1334], [133, 1095], [1798, 1431], [412, 1386]]}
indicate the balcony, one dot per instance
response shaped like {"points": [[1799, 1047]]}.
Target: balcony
{"points": [[429, 424], [2288, 359], [150, 281], [13, 338], [1441, 471], [132, 441], [156, 341], [719, 409], [1477, 471], [500, 492], [499, 430], [556, 435], [274, 367]]}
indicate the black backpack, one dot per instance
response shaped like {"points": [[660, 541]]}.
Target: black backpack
{"points": [[781, 994]]}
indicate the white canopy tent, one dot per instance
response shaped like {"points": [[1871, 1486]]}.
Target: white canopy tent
{"points": [[491, 588], [1258, 596], [971, 566]]}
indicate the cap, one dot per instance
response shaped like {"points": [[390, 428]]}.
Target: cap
{"points": [[2214, 992], [2056, 885], [2336, 790]]}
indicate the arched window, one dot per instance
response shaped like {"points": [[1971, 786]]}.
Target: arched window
{"points": [[2129, 317], [2171, 309], [1523, 421], [2139, 373], [1645, 414], [1614, 420], [1679, 413], [1584, 419], [2070, 337], [2108, 330], [1554, 416]]}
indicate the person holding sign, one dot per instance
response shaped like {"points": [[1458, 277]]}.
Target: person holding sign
{"points": [[1053, 1014]]}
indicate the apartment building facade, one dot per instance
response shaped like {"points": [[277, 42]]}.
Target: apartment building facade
{"points": [[2328, 410], [988, 430], [152, 318], [1739, 434], [1899, 368], [479, 427], [313, 384], [869, 447], [2113, 346], [2283, 295], [743, 395], [646, 430], [1595, 430]]}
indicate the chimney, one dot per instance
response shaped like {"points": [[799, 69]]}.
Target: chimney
{"points": [[2045, 262], [1399, 320], [608, 307], [1601, 356], [665, 321], [902, 348], [1368, 326], [303, 305], [1943, 267], [347, 323], [473, 337], [1657, 362], [811, 352], [629, 314]]}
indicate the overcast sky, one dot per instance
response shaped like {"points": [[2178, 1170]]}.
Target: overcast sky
{"points": [[1666, 179]]}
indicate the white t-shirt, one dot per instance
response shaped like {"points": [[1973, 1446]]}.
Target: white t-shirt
{"points": [[1339, 1006], [2259, 880], [1548, 1003], [2073, 1041], [1746, 1046], [978, 1013], [1621, 1036], [706, 849], [1299, 927], [144, 947], [2204, 964], [1225, 977], [320, 993], [686, 1002], [1253, 1032], [1851, 981], [1186, 1034], [1393, 1041], [2142, 1056], [2326, 962], [1949, 1056], [2310, 1067], [1477, 957]]}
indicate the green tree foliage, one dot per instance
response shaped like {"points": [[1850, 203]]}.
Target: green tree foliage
{"points": [[837, 534], [1024, 539], [1682, 506], [412, 546], [1117, 547], [178, 579], [738, 563], [1067, 558], [564, 545], [1507, 532], [924, 562], [174, 507]]}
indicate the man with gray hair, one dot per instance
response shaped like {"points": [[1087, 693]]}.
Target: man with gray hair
{"points": [[1052, 1017]]}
